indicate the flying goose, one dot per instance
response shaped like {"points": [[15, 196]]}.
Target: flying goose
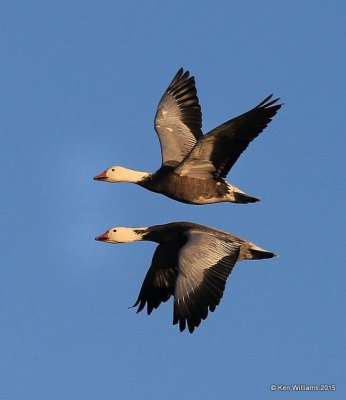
{"points": [[194, 165], [192, 263]]}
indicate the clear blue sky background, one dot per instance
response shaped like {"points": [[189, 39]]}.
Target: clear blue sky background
{"points": [[80, 82]]}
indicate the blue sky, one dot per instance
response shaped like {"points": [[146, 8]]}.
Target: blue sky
{"points": [[80, 82]]}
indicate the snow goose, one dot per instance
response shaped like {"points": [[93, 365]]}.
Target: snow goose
{"points": [[194, 165], [192, 263]]}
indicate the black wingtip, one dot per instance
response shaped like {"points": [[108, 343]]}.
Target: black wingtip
{"points": [[181, 74], [266, 103], [139, 304], [182, 324]]}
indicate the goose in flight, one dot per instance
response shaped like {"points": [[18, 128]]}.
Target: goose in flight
{"points": [[194, 166], [191, 262]]}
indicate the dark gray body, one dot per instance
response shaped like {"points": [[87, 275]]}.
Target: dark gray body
{"points": [[192, 190], [174, 234], [192, 263]]}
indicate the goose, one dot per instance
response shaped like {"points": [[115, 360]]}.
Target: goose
{"points": [[194, 166], [191, 262]]}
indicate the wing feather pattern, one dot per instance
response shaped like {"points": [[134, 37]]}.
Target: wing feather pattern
{"points": [[194, 272], [205, 263], [178, 119], [216, 152], [159, 282]]}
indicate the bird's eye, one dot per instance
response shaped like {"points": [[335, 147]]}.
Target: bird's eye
{"points": [[113, 169], [114, 230]]}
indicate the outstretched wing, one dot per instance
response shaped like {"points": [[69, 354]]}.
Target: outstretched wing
{"points": [[158, 285], [216, 152], [178, 119], [205, 263]]}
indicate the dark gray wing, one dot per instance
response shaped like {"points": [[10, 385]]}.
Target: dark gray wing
{"points": [[205, 263], [159, 283], [178, 119], [215, 153]]}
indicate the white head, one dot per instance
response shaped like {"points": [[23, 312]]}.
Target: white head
{"points": [[122, 235], [121, 174]]}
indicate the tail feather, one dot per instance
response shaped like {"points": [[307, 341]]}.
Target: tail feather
{"points": [[250, 251], [261, 254], [244, 198]]}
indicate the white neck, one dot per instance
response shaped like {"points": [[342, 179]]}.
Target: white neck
{"points": [[122, 174]]}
